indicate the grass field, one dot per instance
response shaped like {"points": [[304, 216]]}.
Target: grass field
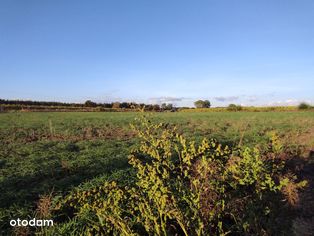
{"points": [[52, 153]]}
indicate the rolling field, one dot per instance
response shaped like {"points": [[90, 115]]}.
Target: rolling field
{"points": [[50, 154]]}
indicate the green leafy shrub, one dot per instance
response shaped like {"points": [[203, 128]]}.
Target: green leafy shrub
{"points": [[186, 189]]}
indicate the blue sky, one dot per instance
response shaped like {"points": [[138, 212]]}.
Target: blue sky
{"points": [[248, 52]]}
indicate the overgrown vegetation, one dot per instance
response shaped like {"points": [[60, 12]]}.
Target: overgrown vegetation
{"points": [[182, 188]]}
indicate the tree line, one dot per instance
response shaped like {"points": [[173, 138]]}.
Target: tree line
{"points": [[112, 105], [91, 104]]}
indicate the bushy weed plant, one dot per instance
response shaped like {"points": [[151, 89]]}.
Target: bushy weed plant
{"points": [[184, 188]]}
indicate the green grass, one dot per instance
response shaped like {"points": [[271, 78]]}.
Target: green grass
{"points": [[54, 152]]}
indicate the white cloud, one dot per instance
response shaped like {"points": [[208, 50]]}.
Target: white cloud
{"points": [[251, 98], [166, 99], [227, 98], [287, 102]]}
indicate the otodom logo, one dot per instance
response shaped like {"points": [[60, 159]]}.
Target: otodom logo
{"points": [[33, 222]]}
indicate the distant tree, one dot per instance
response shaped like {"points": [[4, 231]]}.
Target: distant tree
{"points": [[141, 105], [202, 104], [206, 104], [89, 103], [133, 105], [198, 103], [303, 106], [116, 105], [107, 105], [234, 107], [124, 105], [164, 106], [156, 107], [149, 107], [169, 106]]}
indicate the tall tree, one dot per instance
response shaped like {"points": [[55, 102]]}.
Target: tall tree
{"points": [[89, 103], [202, 104]]}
